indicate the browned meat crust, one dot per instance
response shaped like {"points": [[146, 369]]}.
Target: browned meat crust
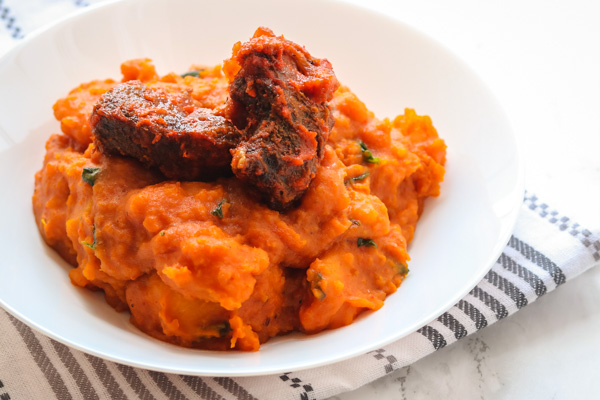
{"points": [[279, 99], [163, 130], [280, 122]]}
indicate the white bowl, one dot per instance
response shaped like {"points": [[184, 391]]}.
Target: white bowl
{"points": [[389, 65]]}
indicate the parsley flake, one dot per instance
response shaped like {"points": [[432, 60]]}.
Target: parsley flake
{"points": [[91, 245], [367, 155], [360, 177], [218, 212], [223, 328], [366, 242], [317, 291], [89, 175], [195, 73], [402, 269]]}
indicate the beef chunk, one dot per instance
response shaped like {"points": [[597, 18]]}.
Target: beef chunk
{"points": [[278, 98], [163, 130]]}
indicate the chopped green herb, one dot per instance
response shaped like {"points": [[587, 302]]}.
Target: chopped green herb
{"points": [[367, 155], [316, 287], [162, 233], [192, 73], [360, 177], [91, 245], [402, 269], [89, 175], [223, 328], [319, 293], [355, 222], [218, 212], [366, 242]]}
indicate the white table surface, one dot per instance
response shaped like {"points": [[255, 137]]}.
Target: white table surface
{"points": [[542, 59]]}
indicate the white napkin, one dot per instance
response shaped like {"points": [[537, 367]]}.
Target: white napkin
{"points": [[546, 250]]}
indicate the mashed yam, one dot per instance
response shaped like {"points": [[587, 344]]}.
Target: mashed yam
{"points": [[206, 265]]}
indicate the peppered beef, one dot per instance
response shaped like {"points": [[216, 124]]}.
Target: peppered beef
{"points": [[278, 98], [163, 130]]}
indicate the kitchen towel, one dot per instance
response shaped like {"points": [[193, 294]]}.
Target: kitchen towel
{"points": [[546, 250]]}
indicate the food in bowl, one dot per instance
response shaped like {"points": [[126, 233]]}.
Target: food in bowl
{"points": [[231, 204]]}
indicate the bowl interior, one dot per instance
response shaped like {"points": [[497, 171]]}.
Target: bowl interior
{"points": [[386, 63]]}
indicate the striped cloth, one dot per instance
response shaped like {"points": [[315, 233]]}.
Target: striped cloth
{"points": [[546, 250], [19, 17]]}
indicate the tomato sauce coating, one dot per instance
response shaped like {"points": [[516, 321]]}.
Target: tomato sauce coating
{"points": [[164, 130], [278, 97]]}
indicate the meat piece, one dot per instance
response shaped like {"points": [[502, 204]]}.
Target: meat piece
{"points": [[278, 97], [163, 130]]}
